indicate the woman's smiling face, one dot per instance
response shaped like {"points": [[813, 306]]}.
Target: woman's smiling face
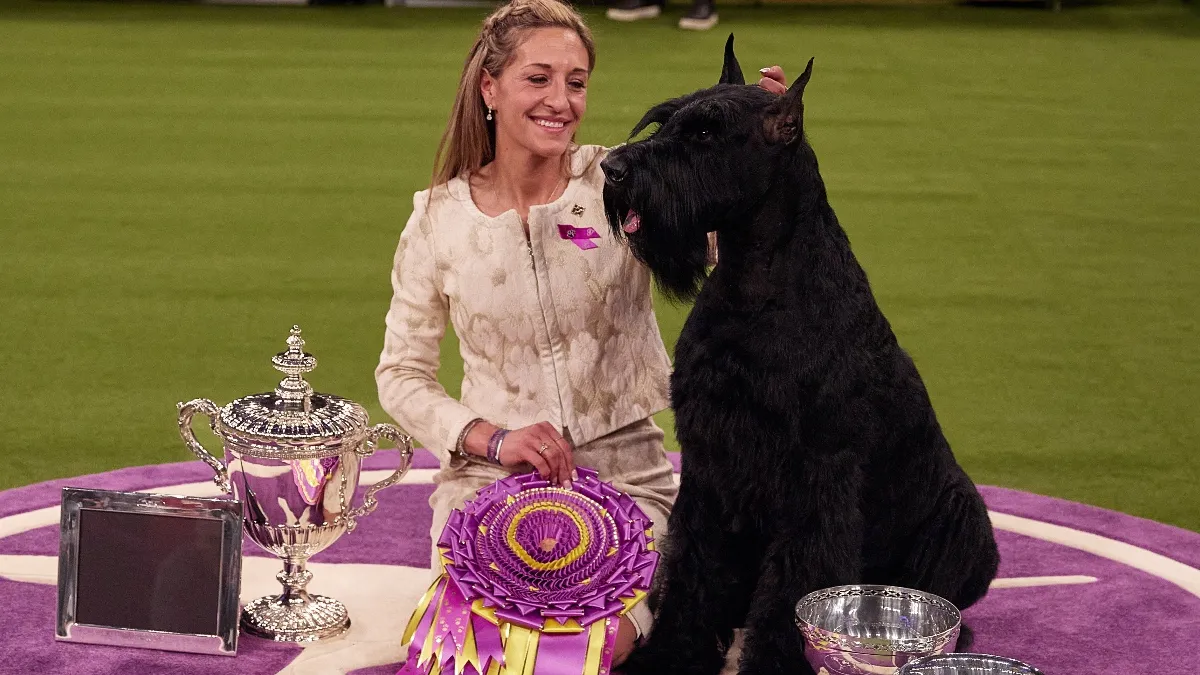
{"points": [[540, 96]]}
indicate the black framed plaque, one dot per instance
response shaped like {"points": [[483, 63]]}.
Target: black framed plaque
{"points": [[147, 570]]}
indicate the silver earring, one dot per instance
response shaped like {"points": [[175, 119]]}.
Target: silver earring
{"points": [[489, 115]]}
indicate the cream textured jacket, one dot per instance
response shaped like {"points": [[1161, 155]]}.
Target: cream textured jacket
{"points": [[558, 327]]}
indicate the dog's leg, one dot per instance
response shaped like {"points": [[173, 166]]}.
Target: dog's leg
{"points": [[966, 638], [705, 592], [954, 554], [821, 546]]}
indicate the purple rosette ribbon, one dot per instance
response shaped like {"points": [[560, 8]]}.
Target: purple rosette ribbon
{"points": [[534, 580]]}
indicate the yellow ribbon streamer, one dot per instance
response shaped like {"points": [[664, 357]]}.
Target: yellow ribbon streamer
{"points": [[514, 649], [595, 650], [427, 649], [531, 651], [422, 607], [630, 602]]}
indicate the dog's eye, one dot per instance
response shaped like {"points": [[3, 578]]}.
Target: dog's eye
{"points": [[697, 128]]}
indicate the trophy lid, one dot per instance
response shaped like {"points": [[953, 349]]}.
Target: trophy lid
{"points": [[293, 422]]}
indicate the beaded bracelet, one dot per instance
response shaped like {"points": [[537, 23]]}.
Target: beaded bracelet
{"points": [[460, 445], [494, 443]]}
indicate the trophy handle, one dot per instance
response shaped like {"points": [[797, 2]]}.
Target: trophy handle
{"points": [[210, 409], [404, 443]]}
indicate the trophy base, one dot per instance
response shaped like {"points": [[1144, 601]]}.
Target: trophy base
{"points": [[319, 618]]}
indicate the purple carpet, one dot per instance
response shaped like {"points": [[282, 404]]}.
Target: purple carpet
{"points": [[1128, 621]]}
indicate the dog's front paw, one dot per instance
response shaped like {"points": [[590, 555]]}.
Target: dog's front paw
{"points": [[766, 657]]}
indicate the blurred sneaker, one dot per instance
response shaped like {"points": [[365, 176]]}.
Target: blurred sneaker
{"points": [[633, 10], [702, 16]]}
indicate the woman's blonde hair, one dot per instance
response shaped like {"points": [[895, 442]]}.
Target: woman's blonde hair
{"points": [[469, 141]]}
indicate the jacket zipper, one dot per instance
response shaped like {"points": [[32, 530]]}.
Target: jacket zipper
{"points": [[546, 323]]}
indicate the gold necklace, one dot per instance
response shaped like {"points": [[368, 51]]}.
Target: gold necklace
{"points": [[561, 181]]}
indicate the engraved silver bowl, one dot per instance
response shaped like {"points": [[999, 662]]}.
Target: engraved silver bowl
{"points": [[874, 630], [967, 664]]}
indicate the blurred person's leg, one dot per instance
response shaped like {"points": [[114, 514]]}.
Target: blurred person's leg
{"points": [[634, 10], [702, 16]]}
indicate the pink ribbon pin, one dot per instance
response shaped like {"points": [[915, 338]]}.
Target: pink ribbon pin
{"points": [[580, 236]]}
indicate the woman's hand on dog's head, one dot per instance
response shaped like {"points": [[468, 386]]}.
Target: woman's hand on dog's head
{"points": [[773, 80]]}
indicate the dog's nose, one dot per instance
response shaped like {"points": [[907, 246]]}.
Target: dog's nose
{"points": [[614, 169]]}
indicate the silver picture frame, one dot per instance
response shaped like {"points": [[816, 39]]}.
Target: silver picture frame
{"points": [[150, 571]]}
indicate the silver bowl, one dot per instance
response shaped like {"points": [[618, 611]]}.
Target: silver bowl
{"points": [[967, 664], [874, 630]]}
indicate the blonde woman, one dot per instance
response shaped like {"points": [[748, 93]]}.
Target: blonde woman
{"points": [[563, 364]]}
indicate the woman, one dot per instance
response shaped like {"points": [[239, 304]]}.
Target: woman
{"points": [[563, 363]]}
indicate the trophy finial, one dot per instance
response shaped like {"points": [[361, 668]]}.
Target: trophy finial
{"points": [[293, 391], [295, 343]]}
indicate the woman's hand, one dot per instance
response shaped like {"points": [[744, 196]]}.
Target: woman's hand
{"points": [[626, 637], [773, 80], [543, 447], [538, 445]]}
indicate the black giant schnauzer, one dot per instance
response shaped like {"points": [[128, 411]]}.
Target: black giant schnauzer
{"points": [[811, 453]]}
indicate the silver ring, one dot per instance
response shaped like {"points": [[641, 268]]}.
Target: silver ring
{"points": [[542, 450]]}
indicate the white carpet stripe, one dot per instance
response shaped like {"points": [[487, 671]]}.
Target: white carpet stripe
{"points": [[30, 520], [1026, 582], [23, 522], [34, 569], [1183, 576]]}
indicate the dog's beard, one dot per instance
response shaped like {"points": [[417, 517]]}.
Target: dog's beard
{"points": [[676, 255]]}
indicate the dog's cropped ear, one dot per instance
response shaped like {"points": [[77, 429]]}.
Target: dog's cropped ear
{"points": [[731, 72], [785, 118], [659, 115]]}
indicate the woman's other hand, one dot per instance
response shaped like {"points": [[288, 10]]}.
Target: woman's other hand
{"points": [[773, 80], [626, 637]]}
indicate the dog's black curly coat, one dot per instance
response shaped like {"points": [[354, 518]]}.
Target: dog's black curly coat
{"points": [[811, 453]]}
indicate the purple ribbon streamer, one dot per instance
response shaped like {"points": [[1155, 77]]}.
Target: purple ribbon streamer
{"points": [[453, 621], [561, 654], [610, 641], [487, 641]]}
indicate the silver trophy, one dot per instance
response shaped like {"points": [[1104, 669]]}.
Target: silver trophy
{"points": [[293, 458]]}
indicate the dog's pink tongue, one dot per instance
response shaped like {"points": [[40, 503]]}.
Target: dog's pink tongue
{"points": [[632, 222]]}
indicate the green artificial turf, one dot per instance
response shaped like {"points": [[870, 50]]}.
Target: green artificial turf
{"points": [[179, 184]]}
